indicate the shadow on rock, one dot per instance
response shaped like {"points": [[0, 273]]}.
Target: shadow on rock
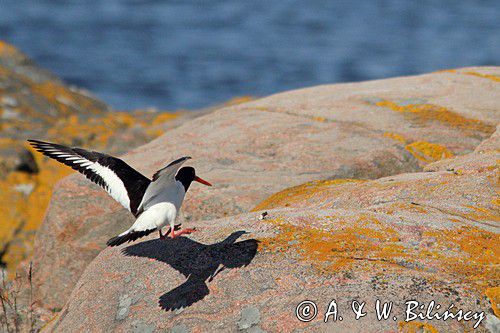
{"points": [[198, 262]]}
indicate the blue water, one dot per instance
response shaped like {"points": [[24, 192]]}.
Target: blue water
{"points": [[191, 54]]}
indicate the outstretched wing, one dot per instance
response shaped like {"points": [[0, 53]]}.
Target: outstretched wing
{"points": [[161, 180], [122, 182]]}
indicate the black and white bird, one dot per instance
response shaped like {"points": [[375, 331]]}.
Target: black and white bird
{"points": [[155, 203]]}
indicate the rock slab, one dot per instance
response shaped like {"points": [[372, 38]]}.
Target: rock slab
{"points": [[250, 151]]}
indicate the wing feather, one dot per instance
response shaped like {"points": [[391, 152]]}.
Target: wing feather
{"points": [[122, 182]]}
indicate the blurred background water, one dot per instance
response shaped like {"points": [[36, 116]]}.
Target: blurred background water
{"points": [[192, 54]]}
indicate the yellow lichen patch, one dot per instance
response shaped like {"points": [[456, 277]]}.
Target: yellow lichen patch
{"points": [[299, 193], [95, 131], [320, 119], [6, 49], [334, 250], [24, 197], [403, 206], [395, 136], [486, 76], [483, 214], [493, 295], [6, 142], [425, 112], [470, 254], [446, 71], [64, 99], [239, 100], [416, 327], [465, 254], [23, 212], [428, 152], [163, 117]]}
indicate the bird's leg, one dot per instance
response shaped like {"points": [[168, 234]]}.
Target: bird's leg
{"points": [[186, 231], [169, 231], [162, 237]]}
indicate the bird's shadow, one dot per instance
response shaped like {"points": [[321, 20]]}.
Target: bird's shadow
{"points": [[200, 263]]}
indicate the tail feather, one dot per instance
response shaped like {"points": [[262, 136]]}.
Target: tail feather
{"points": [[128, 236]]}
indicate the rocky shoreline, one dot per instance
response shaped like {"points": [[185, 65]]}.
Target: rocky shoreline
{"points": [[375, 190]]}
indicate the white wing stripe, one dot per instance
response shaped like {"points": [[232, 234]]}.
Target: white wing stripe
{"points": [[100, 174], [115, 187]]}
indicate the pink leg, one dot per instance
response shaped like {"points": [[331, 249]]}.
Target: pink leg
{"points": [[174, 234]]}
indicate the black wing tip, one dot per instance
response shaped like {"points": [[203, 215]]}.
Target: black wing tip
{"points": [[34, 142], [39, 145], [128, 237], [114, 241], [179, 160]]}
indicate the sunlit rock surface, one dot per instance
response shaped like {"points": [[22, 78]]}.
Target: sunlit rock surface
{"points": [[414, 236], [362, 219]]}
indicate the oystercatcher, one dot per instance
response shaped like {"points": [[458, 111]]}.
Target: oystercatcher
{"points": [[155, 203]]}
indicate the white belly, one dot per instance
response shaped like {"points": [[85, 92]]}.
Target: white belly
{"points": [[156, 216]]}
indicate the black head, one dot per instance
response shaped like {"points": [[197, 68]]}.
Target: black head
{"points": [[186, 175]]}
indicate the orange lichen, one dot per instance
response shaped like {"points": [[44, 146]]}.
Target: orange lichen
{"points": [[239, 100], [6, 49], [163, 117], [320, 119], [482, 214], [493, 295], [425, 112], [55, 113], [486, 76], [416, 327], [22, 213], [6, 142], [470, 253], [395, 136], [332, 250], [428, 152], [404, 206], [492, 77], [95, 131], [467, 254], [302, 192]]}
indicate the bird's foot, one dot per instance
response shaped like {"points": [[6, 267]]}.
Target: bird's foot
{"points": [[165, 236], [186, 231]]}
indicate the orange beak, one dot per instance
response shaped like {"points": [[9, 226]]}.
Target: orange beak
{"points": [[203, 181]]}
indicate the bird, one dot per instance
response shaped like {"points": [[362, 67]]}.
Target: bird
{"points": [[154, 203]]}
